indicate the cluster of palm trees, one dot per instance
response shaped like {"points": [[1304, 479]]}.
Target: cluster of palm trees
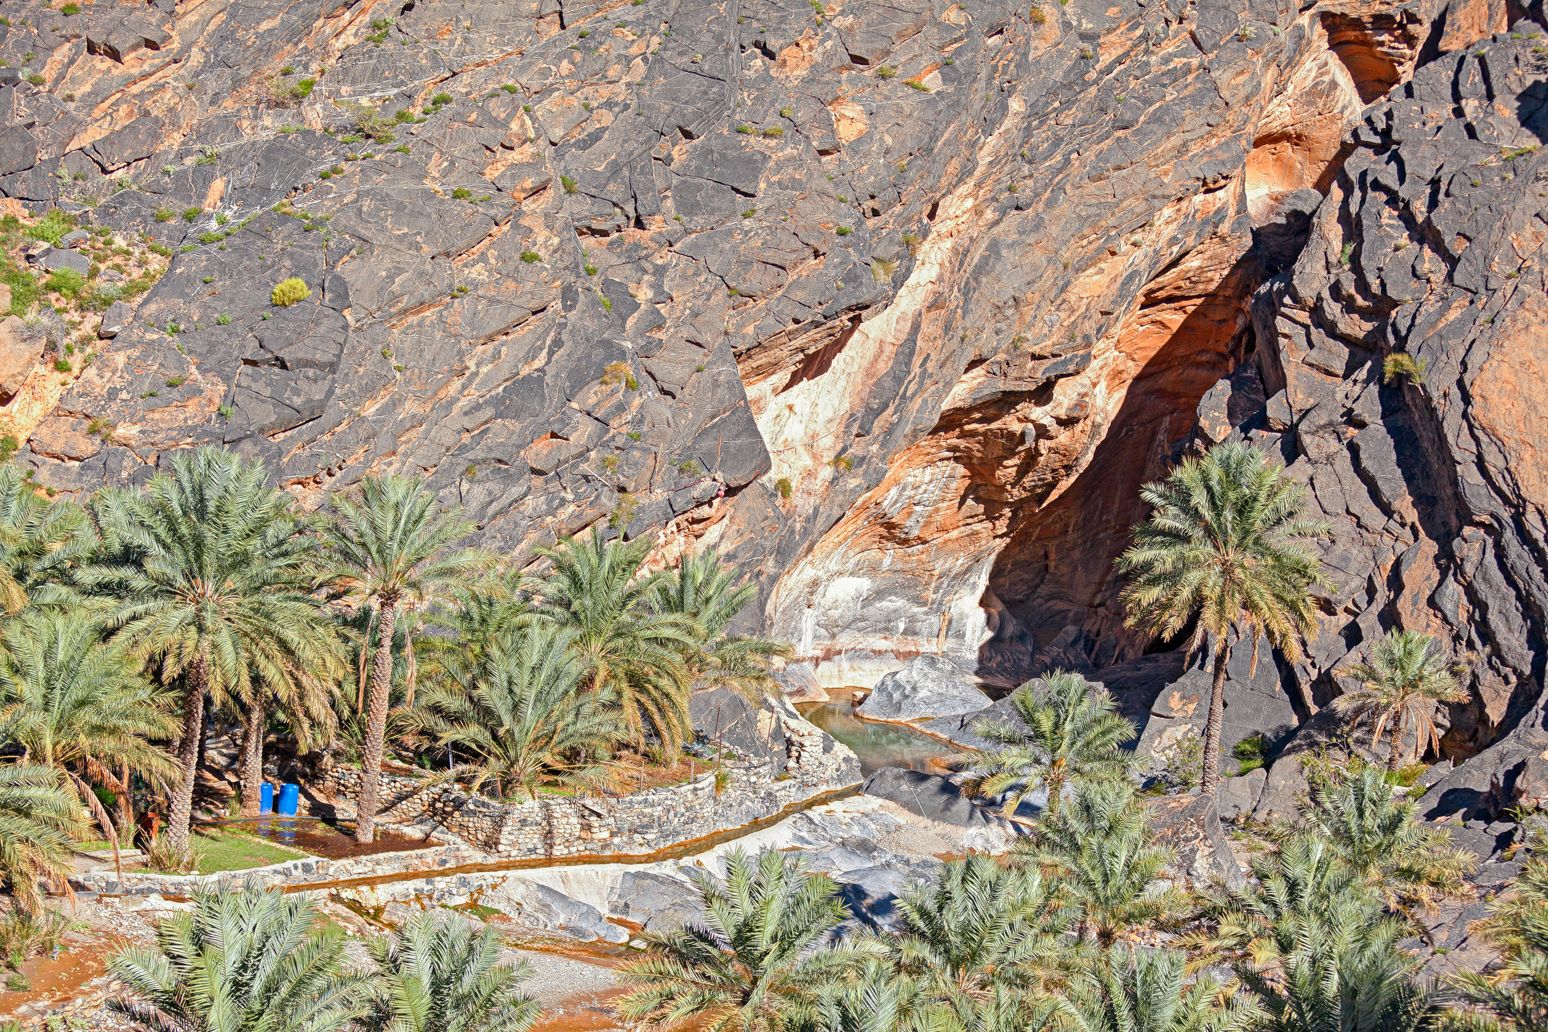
{"points": [[134, 617], [1077, 931], [256, 961]]}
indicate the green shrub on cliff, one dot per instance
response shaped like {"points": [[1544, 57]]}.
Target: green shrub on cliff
{"points": [[290, 291]]}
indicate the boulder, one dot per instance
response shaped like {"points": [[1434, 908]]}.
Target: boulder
{"points": [[655, 901], [540, 908], [19, 355], [930, 796], [1189, 825], [926, 687], [1238, 796], [114, 320], [799, 683], [749, 728], [58, 258]]}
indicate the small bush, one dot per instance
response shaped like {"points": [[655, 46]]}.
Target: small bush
{"points": [[1249, 754], [784, 488], [165, 214], [886, 72], [51, 228], [66, 282], [843, 231], [288, 292], [61, 365], [462, 193], [568, 183], [531, 256], [223, 319], [615, 373], [1400, 365]]}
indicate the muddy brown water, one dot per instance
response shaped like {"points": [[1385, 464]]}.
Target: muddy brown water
{"points": [[322, 838], [57, 981]]}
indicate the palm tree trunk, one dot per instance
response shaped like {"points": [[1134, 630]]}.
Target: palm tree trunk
{"points": [[125, 801], [1211, 773], [251, 762], [378, 700], [1395, 748], [180, 819], [410, 668], [1055, 790]]}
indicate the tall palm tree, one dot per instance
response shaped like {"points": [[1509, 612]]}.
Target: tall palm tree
{"points": [[978, 929], [634, 653], [1069, 730], [756, 956], [39, 821], [1513, 998], [1106, 863], [709, 593], [1401, 681], [212, 572], [439, 973], [515, 715], [241, 961], [80, 706], [1226, 548], [1133, 989], [41, 543], [1378, 834], [392, 546]]}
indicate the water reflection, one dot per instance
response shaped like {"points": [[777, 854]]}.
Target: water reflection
{"points": [[877, 745]]}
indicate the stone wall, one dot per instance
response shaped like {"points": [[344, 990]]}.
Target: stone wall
{"points": [[311, 871], [752, 789]]}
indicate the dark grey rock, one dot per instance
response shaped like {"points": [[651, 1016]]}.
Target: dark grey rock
{"points": [[931, 796], [62, 258]]}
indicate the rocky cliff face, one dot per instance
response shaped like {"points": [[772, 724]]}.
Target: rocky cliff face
{"points": [[897, 304]]}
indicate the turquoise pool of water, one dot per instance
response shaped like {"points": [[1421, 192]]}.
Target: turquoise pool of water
{"points": [[876, 745]]}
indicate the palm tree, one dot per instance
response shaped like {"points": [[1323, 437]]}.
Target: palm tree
{"points": [[392, 547], [81, 707], [876, 997], [1312, 942], [707, 591], [1378, 834], [441, 974], [213, 573], [1101, 851], [1515, 997], [515, 714], [1294, 891], [1069, 731], [756, 956], [39, 821], [978, 929], [241, 961], [1401, 681], [1132, 989], [633, 652], [41, 543], [1225, 548], [1344, 979]]}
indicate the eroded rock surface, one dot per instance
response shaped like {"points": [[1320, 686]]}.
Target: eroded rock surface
{"points": [[897, 305]]}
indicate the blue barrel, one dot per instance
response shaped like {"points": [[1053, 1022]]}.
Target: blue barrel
{"points": [[266, 798], [289, 800]]}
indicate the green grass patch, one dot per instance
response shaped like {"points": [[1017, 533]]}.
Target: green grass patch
{"points": [[222, 849]]}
